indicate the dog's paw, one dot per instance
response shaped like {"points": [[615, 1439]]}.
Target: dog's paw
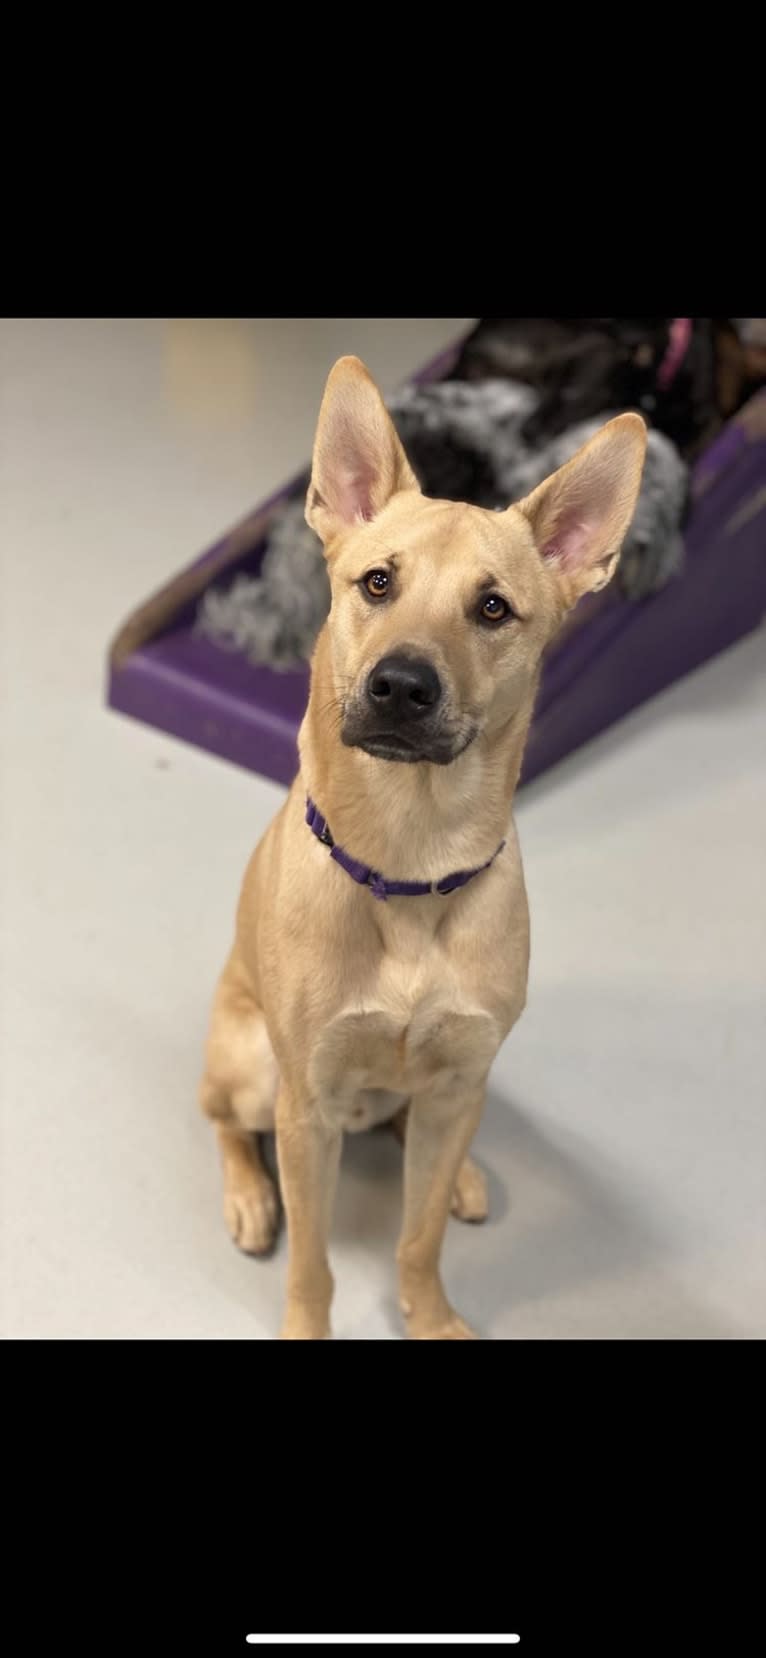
{"points": [[470, 1201], [430, 1317], [453, 1329], [252, 1216], [301, 1325]]}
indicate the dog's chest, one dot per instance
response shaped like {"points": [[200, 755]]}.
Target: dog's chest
{"points": [[368, 1062]]}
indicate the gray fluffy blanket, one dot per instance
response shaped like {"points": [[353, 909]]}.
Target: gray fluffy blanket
{"points": [[464, 442]]}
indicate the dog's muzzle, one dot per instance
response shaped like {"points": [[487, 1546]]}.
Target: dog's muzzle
{"points": [[401, 714]]}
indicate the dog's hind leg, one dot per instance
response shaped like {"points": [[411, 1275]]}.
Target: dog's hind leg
{"points": [[238, 1092], [470, 1199]]}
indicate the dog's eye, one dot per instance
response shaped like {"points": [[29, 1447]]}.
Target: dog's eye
{"points": [[376, 583], [495, 609]]}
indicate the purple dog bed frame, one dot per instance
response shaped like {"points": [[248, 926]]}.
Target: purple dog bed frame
{"points": [[611, 657]]}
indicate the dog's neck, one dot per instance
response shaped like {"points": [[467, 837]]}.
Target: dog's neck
{"points": [[415, 822]]}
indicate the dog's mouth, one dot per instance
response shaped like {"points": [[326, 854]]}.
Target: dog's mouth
{"points": [[410, 749]]}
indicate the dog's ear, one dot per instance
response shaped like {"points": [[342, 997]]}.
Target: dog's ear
{"points": [[580, 515], [358, 461]]}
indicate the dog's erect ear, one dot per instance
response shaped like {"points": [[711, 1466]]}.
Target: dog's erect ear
{"points": [[358, 461], [580, 515]]}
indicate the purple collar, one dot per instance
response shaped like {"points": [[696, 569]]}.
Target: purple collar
{"points": [[380, 888]]}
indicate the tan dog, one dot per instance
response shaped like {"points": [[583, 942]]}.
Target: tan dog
{"points": [[337, 1010]]}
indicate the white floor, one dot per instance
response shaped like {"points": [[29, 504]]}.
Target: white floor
{"points": [[626, 1130]]}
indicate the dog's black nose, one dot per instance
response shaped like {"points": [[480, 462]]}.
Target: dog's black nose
{"points": [[404, 687]]}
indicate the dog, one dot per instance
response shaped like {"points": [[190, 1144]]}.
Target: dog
{"points": [[382, 936], [664, 367]]}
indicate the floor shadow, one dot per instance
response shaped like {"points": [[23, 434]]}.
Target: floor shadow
{"points": [[573, 1228], [568, 1226], [559, 1226]]}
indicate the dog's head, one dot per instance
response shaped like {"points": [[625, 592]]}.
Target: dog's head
{"points": [[440, 612]]}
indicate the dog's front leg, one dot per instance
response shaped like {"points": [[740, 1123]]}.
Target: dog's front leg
{"points": [[308, 1153], [439, 1133]]}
